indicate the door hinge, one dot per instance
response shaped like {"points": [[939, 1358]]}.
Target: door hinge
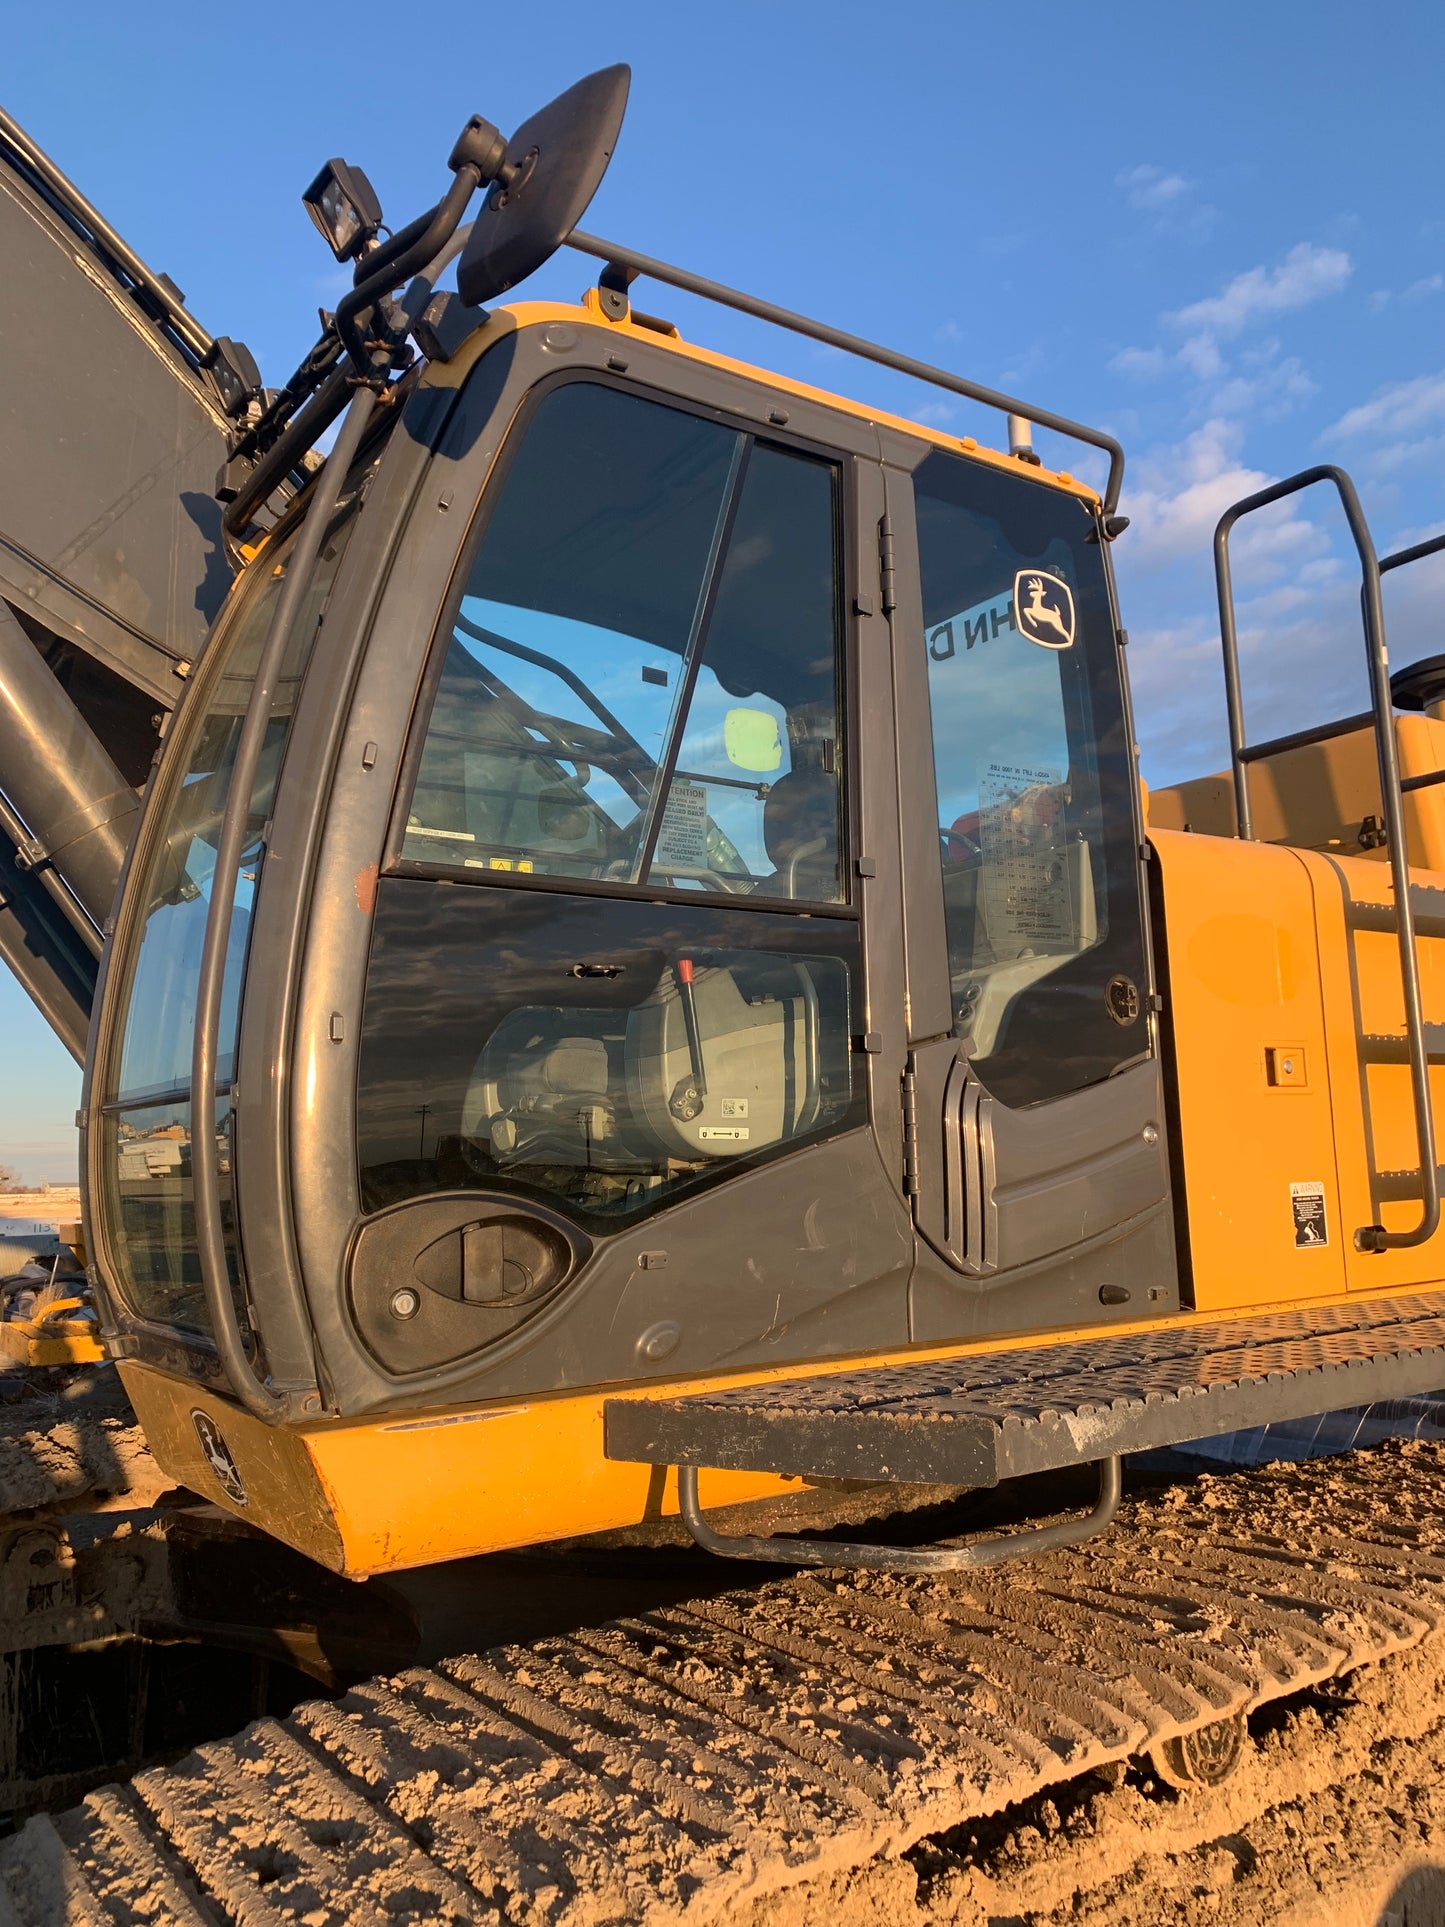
{"points": [[886, 576], [910, 1135]]}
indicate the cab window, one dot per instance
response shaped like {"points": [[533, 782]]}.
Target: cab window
{"points": [[640, 681], [632, 750], [1033, 768]]}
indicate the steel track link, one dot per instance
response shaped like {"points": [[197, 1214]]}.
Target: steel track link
{"points": [[669, 1766]]}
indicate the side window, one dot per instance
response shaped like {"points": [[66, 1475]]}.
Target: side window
{"points": [[640, 684], [1032, 766], [151, 1135]]}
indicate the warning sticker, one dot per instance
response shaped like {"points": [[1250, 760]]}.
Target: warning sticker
{"points": [[682, 840], [734, 1107], [1307, 1201], [1026, 893]]}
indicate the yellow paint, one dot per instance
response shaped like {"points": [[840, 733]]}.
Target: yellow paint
{"points": [[1285, 980], [537, 314], [52, 1338], [1242, 983], [1374, 1118], [1320, 795]]}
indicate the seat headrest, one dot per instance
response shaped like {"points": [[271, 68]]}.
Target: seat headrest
{"points": [[800, 809]]}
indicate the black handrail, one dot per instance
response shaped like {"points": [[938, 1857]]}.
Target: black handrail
{"points": [[798, 324], [259, 1397], [1431, 546], [973, 1555], [1373, 1237], [89, 223]]}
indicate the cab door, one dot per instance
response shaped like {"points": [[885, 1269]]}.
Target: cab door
{"points": [[1035, 1129]]}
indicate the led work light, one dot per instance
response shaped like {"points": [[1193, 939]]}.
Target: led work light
{"points": [[343, 204]]}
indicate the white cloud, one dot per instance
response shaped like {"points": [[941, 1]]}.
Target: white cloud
{"points": [[1146, 363], [1417, 291], [1147, 186], [1169, 201], [1266, 383], [1401, 409], [1271, 390], [1201, 356], [1306, 274], [1181, 492]]}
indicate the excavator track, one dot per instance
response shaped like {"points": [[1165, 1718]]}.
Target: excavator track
{"points": [[683, 1763], [71, 1443]]}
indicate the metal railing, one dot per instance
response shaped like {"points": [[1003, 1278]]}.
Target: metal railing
{"points": [[614, 255], [1372, 1237]]}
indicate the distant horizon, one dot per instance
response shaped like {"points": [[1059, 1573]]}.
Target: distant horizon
{"points": [[1210, 232]]}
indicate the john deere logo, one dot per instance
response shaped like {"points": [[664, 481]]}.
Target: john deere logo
{"points": [[218, 1457], [1044, 609]]}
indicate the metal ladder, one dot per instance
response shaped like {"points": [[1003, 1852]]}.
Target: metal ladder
{"points": [[1411, 912]]}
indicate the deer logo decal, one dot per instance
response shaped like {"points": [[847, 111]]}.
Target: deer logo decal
{"points": [[218, 1457], [1044, 609]]}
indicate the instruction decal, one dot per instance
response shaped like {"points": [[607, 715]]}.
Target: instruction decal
{"points": [[1307, 1201], [682, 840]]}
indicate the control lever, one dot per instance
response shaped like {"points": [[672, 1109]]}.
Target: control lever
{"points": [[686, 1101]]}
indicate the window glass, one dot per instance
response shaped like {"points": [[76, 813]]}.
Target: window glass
{"points": [[640, 683], [152, 1231], [148, 1149], [160, 1015], [602, 1055], [1036, 833]]}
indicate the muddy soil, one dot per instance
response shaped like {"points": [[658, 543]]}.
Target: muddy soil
{"points": [[1335, 1818]]}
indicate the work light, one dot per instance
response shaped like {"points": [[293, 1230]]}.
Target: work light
{"points": [[343, 204]]}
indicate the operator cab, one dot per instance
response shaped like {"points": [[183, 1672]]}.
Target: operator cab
{"points": [[655, 850]]}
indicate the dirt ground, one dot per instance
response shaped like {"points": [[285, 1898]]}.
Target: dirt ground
{"points": [[1336, 1818]]}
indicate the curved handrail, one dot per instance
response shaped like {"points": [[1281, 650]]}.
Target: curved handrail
{"points": [[972, 1556], [1372, 1237], [260, 1398]]}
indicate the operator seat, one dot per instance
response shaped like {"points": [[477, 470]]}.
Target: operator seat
{"points": [[800, 834]]}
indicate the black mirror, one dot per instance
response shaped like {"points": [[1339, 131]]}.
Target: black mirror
{"points": [[554, 165]]}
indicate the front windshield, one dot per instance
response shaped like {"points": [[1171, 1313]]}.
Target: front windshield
{"points": [[640, 681]]}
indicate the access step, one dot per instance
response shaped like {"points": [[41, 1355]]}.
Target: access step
{"points": [[996, 1415]]}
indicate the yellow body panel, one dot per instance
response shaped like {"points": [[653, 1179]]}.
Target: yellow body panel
{"points": [[1244, 981], [1263, 973], [1317, 796]]}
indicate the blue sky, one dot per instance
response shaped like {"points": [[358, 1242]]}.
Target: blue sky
{"points": [[1219, 232]]}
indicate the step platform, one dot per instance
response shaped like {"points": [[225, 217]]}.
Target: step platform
{"points": [[978, 1420]]}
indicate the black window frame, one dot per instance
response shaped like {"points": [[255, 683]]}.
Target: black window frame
{"points": [[769, 435]]}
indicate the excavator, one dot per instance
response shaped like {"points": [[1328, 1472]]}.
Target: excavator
{"points": [[625, 971]]}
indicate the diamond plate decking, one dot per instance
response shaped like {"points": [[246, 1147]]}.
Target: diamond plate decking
{"points": [[997, 1415]]}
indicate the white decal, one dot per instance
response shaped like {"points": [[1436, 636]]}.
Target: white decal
{"points": [[682, 840], [1044, 609], [1307, 1202]]}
